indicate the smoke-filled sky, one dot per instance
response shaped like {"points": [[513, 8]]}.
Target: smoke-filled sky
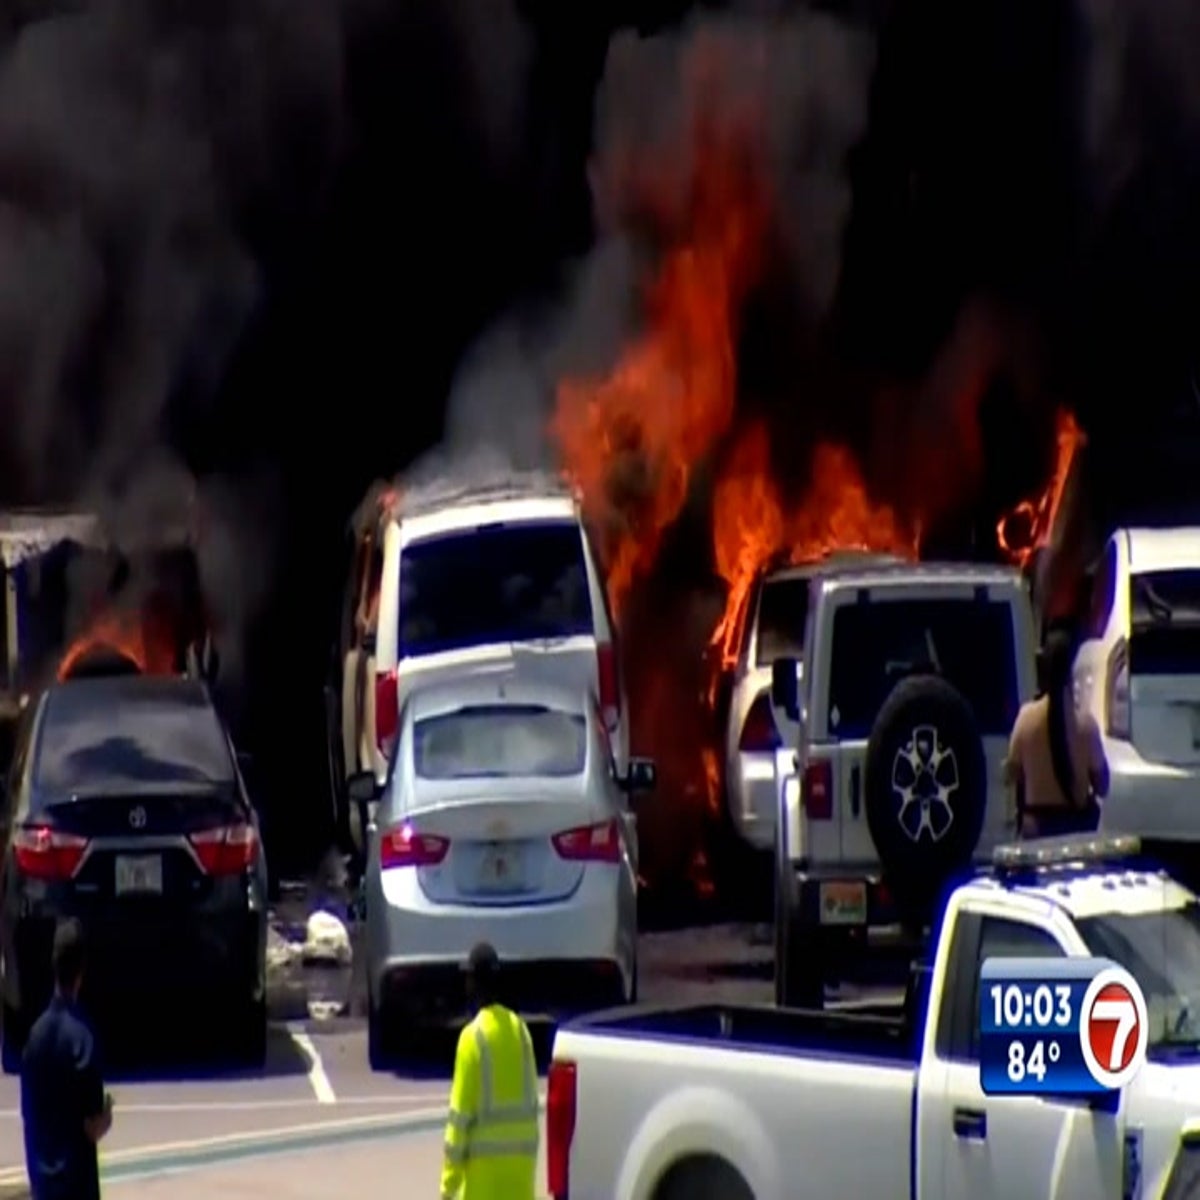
{"points": [[246, 246]]}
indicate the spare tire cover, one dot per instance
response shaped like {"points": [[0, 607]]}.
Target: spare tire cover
{"points": [[925, 787]]}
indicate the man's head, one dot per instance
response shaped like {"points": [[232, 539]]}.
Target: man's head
{"points": [[68, 956], [483, 974]]}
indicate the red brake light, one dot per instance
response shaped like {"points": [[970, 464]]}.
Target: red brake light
{"points": [[818, 789], [229, 850], [560, 1128], [45, 853], [590, 843], [606, 676], [403, 847], [1117, 710], [759, 734], [387, 712]]}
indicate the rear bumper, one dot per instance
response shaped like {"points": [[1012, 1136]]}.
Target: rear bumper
{"points": [[141, 959], [750, 792], [1153, 800], [558, 956], [818, 897]]}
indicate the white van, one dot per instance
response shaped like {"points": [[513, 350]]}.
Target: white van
{"points": [[490, 577]]}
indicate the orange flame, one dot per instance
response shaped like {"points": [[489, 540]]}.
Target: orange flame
{"points": [[1034, 519], [671, 396], [752, 529], [132, 635]]}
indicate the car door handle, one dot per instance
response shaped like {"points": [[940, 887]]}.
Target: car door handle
{"points": [[970, 1123]]}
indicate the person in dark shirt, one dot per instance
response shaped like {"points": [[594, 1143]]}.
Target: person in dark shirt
{"points": [[64, 1106]]}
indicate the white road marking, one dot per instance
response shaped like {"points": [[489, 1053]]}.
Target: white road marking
{"points": [[200, 1106], [318, 1080], [264, 1137]]}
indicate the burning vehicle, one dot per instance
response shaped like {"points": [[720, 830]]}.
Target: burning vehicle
{"points": [[76, 604]]}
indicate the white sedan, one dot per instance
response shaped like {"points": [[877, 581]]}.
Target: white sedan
{"points": [[503, 819]]}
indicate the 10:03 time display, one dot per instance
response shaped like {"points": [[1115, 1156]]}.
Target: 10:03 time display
{"points": [[1042, 1006]]}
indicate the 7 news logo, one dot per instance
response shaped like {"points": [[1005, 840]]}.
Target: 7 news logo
{"points": [[1114, 1027], [1063, 1027]]}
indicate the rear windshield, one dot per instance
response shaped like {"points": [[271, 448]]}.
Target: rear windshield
{"points": [[970, 644], [1165, 620], [86, 744], [474, 743], [782, 611], [500, 584]]}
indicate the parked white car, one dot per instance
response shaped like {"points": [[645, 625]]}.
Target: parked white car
{"points": [[1137, 671], [505, 818], [721, 1102], [485, 577]]}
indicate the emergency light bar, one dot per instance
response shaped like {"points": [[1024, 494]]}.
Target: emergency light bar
{"points": [[1041, 854]]}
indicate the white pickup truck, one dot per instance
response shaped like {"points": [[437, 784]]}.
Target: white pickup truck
{"points": [[757, 1103]]}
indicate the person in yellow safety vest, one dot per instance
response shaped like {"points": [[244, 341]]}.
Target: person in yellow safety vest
{"points": [[491, 1144]]}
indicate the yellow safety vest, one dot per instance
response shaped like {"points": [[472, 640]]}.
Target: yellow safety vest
{"points": [[491, 1141]]}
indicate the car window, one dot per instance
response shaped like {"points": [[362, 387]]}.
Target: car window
{"points": [[95, 741], [999, 938], [971, 644], [500, 741], [782, 610], [483, 586]]}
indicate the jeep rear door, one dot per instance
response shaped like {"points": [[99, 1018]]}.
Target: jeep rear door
{"points": [[969, 634]]}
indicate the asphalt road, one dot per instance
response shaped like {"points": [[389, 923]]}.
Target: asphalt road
{"points": [[317, 1117]]}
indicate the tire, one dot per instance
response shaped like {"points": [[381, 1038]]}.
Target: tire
{"points": [[250, 1036], [704, 1177], [381, 1048], [12, 1041], [800, 967], [925, 790]]}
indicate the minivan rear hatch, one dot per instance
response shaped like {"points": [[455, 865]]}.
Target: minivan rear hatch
{"points": [[1164, 665]]}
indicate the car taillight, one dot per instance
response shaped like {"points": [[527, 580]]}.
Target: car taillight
{"points": [[387, 711], [759, 734], [590, 843], [403, 847], [229, 850], [560, 1128], [818, 789], [1117, 715], [606, 677], [45, 853]]}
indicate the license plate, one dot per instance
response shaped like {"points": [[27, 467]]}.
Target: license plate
{"points": [[843, 904], [501, 870], [142, 874]]}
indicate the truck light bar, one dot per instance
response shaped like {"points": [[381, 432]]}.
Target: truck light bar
{"points": [[1075, 849]]}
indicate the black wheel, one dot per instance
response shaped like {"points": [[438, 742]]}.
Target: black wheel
{"points": [[250, 1035], [705, 1177], [925, 790], [381, 1042], [12, 1041], [800, 967]]}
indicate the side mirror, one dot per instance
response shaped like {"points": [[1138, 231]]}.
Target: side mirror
{"points": [[785, 688], [362, 788], [642, 775]]}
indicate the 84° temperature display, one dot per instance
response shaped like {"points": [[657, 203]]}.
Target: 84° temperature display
{"points": [[1061, 1027]]}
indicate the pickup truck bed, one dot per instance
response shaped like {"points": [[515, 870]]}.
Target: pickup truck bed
{"points": [[655, 1084], [868, 1033]]}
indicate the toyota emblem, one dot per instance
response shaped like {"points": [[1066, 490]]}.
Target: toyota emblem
{"points": [[137, 818]]}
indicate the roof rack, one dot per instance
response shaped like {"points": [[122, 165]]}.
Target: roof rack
{"points": [[1058, 853]]}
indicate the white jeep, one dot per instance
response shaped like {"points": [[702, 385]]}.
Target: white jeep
{"points": [[913, 675]]}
